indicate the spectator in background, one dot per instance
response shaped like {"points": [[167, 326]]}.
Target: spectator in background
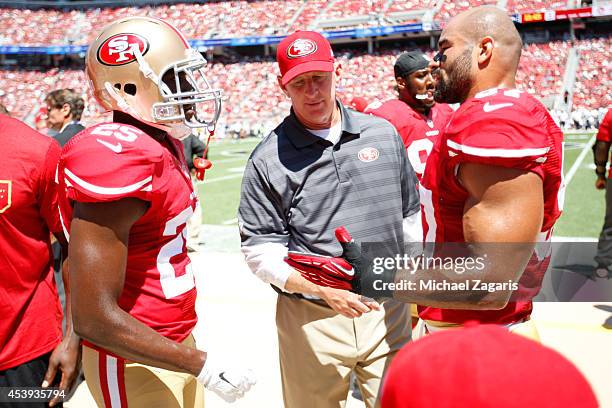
{"points": [[193, 146], [64, 110], [3, 110], [32, 350], [600, 151], [483, 366]]}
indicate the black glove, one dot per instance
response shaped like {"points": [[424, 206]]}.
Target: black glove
{"points": [[366, 282]]}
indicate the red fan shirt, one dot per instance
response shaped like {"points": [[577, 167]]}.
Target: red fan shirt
{"points": [[111, 161], [498, 127], [30, 311]]}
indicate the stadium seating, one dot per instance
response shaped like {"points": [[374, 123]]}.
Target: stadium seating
{"points": [[593, 80], [541, 68], [256, 95], [534, 5], [249, 98], [348, 8], [233, 18], [452, 8]]}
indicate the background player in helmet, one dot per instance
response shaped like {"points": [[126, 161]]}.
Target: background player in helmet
{"points": [[418, 119], [129, 196]]}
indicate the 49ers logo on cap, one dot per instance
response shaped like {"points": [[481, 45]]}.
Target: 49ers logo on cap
{"points": [[368, 154], [301, 47], [119, 49]]}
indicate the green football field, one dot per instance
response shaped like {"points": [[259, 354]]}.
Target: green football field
{"points": [[582, 216]]}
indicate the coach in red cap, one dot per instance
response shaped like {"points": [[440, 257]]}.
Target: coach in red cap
{"points": [[483, 366], [323, 167]]}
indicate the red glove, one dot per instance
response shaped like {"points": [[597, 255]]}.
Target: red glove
{"points": [[322, 270]]}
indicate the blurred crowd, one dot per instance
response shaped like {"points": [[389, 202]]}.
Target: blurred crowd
{"points": [[253, 99], [228, 18]]}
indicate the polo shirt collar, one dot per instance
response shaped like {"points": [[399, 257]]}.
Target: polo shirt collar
{"points": [[300, 137]]}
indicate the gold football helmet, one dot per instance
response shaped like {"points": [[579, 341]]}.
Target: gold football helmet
{"points": [[145, 67]]}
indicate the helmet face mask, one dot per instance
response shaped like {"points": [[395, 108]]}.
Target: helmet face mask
{"points": [[144, 67], [187, 95]]}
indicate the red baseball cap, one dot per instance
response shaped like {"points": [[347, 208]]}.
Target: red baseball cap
{"points": [[483, 366], [303, 51]]}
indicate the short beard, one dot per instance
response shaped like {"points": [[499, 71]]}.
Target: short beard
{"points": [[458, 83]]}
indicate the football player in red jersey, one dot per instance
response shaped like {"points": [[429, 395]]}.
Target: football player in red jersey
{"points": [[493, 186], [496, 174], [419, 120], [129, 196], [600, 153], [416, 116], [32, 350]]}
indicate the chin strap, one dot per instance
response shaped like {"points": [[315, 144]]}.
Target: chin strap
{"points": [[202, 164]]}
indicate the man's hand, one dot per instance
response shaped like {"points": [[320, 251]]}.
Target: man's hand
{"points": [[348, 304], [67, 358], [600, 183], [228, 383]]}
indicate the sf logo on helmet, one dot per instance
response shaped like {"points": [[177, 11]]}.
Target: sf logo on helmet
{"points": [[119, 49], [301, 47]]}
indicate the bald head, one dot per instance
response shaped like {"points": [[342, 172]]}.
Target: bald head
{"points": [[490, 21], [479, 49]]}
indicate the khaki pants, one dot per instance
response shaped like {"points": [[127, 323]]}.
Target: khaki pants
{"points": [[425, 327], [116, 383], [319, 348]]}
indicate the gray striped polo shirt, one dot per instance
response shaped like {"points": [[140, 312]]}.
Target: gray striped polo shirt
{"points": [[298, 188]]}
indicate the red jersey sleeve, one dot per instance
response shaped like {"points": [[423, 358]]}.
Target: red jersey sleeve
{"points": [[48, 189], [500, 131], [605, 128], [110, 161]]}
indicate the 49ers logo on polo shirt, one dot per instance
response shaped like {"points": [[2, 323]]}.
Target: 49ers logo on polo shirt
{"points": [[301, 47], [5, 195], [119, 49], [368, 154]]}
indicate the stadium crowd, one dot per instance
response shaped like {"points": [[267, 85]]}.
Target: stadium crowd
{"points": [[365, 75], [226, 19]]}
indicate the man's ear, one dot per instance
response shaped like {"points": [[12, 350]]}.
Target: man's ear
{"points": [[338, 70], [401, 83], [66, 110], [485, 50], [280, 84]]}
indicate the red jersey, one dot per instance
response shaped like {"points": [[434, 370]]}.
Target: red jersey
{"points": [[605, 132], [497, 127], [31, 315], [111, 161], [419, 133]]}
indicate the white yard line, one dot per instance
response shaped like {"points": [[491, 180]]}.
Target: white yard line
{"points": [[213, 180], [572, 171]]}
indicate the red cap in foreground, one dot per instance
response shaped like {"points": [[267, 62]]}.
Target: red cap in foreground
{"points": [[483, 366]]}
